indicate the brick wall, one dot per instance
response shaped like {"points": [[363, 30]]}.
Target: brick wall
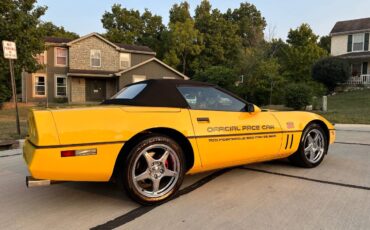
{"points": [[79, 55]]}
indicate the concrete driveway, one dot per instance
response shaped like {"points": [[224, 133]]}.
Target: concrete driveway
{"points": [[272, 195]]}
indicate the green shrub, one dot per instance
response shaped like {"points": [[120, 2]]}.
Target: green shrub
{"points": [[61, 100], [5, 93], [331, 71], [298, 95]]}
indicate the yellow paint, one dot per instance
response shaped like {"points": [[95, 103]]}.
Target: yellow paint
{"points": [[228, 139]]}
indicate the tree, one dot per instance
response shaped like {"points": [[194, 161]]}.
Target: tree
{"points": [[302, 36], [122, 25], [222, 45], [301, 53], [185, 42], [51, 30], [331, 71], [250, 23], [219, 75], [262, 80], [153, 32], [180, 13], [19, 22], [131, 27], [325, 43]]}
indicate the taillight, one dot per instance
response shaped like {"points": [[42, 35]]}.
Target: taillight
{"points": [[68, 153], [80, 152]]}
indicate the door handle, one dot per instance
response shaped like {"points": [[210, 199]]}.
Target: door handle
{"points": [[203, 119]]}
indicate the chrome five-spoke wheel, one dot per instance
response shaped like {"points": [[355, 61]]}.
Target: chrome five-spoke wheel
{"points": [[153, 169], [314, 146], [156, 170]]}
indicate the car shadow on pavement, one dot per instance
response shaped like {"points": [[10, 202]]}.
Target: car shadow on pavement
{"points": [[106, 189]]}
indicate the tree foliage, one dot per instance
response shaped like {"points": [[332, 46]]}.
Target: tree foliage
{"points": [[298, 95], [325, 43], [219, 75], [222, 45], [50, 30], [180, 13], [331, 71], [250, 23], [302, 36], [131, 27], [262, 79], [19, 22], [301, 53], [186, 42]]}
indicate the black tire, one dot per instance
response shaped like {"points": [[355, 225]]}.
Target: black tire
{"points": [[137, 190], [302, 158]]}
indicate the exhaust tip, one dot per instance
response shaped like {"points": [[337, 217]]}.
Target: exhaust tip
{"points": [[32, 182]]}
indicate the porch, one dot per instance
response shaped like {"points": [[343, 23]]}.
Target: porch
{"points": [[363, 79]]}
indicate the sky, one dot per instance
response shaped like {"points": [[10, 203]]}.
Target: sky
{"points": [[83, 16]]}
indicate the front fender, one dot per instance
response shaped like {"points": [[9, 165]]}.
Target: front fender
{"points": [[297, 121]]}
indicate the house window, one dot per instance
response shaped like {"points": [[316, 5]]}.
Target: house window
{"points": [[60, 85], [39, 85], [124, 60], [61, 56], [95, 58], [358, 42], [41, 58]]}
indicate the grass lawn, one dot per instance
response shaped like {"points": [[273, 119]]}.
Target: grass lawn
{"points": [[349, 107], [8, 128]]}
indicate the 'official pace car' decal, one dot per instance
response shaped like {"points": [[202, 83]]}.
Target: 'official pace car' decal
{"points": [[240, 128]]}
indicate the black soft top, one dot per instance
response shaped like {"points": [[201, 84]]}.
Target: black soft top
{"points": [[158, 93]]}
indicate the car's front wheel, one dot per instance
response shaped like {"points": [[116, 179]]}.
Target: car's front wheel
{"points": [[154, 170], [313, 147]]}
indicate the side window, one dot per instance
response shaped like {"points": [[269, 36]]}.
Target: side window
{"points": [[130, 92], [210, 98]]}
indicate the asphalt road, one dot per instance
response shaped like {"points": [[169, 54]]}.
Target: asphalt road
{"points": [[272, 195]]}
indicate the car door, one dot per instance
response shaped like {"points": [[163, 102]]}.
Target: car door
{"points": [[225, 132]]}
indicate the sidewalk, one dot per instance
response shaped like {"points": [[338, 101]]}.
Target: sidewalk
{"points": [[352, 127], [13, 152]]}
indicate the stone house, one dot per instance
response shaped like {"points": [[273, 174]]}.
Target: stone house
{"points": [[350, 41], [90, 69]]}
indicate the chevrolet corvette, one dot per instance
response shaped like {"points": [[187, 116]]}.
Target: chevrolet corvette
{"points": [[151, 133]]}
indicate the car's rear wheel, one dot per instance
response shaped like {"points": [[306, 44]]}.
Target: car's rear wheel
{"points": [[313, 147], [154, 170]]}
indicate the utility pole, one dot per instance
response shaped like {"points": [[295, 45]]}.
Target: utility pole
{"points": [[10, 52]]}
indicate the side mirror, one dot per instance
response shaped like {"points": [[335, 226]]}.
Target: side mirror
{"points": [[250, 108]]}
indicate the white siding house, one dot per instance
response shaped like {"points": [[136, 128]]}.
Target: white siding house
{"points": [[350, 41]]}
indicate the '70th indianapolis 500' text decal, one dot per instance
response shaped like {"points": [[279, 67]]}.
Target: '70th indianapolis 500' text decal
{"points": [[242, 138]]}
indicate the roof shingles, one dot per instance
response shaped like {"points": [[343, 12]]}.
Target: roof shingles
{"points": [[59, 40], [362, 24]]}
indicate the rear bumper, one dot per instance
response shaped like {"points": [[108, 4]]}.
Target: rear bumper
{"points": [[46, 163]]}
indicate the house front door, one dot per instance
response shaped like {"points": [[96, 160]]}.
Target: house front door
{"points": [[95, 89]]}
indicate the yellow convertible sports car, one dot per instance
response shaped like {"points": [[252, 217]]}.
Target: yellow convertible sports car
{"points": [[152, 133]]}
